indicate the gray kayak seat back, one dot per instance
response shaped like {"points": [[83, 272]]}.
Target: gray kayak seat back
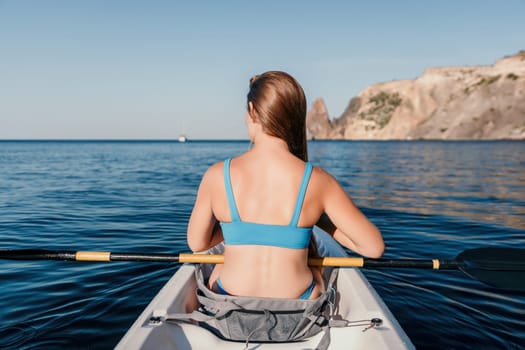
{"points": [[251, 319]]}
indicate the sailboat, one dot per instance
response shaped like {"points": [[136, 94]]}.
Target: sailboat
{"points": [[182, 136]]}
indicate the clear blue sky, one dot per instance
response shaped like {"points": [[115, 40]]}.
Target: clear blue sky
{"points": [[154, 69]]}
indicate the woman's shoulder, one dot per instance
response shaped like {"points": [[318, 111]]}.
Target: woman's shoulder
{"points": [[213, 175], [321, 180], [215, 170], [320, 174]]}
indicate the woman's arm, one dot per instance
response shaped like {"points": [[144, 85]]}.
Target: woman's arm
{"points": [[204, 230], [346, 223]]}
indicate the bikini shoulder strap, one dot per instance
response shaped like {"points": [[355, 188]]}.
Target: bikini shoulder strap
{"points": [[229, 192], [302, 191]]}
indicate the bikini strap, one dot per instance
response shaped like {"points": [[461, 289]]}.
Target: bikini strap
{"points": [[300, 196], [229, 192]]}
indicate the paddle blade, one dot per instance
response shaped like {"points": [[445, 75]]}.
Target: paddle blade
{"points": [[502, 268]]}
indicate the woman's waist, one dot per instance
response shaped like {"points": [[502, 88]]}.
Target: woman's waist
{"points": [[254, 278], [267, 273]]}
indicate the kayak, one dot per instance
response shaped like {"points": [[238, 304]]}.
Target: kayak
{"points": [[370, 324]]}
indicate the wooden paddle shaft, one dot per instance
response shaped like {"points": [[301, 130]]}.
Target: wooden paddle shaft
{"points": [[340, 261], [219, 259]]}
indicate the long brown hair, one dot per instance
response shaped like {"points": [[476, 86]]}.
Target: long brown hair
{"points": [[280, 104]]}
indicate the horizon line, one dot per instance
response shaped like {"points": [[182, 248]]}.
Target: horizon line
{"points": [[247, 140], [115, 140]]}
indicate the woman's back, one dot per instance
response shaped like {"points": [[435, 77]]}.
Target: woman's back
{"points": [[266, 190]]}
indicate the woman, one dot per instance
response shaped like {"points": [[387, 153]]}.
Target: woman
{"points": [[264, 203]]}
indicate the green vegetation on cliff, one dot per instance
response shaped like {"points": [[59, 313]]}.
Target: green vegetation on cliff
{"points": [[383, 106]]}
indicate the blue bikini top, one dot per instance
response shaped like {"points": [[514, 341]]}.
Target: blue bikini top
{"points": [[239, 232]]}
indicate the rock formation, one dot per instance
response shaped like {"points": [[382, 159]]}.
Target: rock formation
{"points": [[450, 103]]}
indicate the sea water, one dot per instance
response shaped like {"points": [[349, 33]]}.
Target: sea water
{"points": [[429, 199]]}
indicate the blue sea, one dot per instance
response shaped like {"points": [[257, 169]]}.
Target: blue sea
{"points": [[430, 200]]}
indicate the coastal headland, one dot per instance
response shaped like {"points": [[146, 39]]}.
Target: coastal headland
{"points": [[445, 103]]}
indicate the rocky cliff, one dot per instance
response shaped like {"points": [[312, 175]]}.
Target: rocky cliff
{"points": [[452, 103]]}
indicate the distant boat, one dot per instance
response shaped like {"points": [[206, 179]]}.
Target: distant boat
{"points": [[183, 138]]}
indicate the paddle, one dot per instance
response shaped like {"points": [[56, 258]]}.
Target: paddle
{"points": [[502, 268]]}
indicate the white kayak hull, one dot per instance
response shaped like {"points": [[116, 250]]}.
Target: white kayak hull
{"points": [[359, 301]]}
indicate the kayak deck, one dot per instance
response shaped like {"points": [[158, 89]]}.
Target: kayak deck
{"points": [[356, 302]]}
